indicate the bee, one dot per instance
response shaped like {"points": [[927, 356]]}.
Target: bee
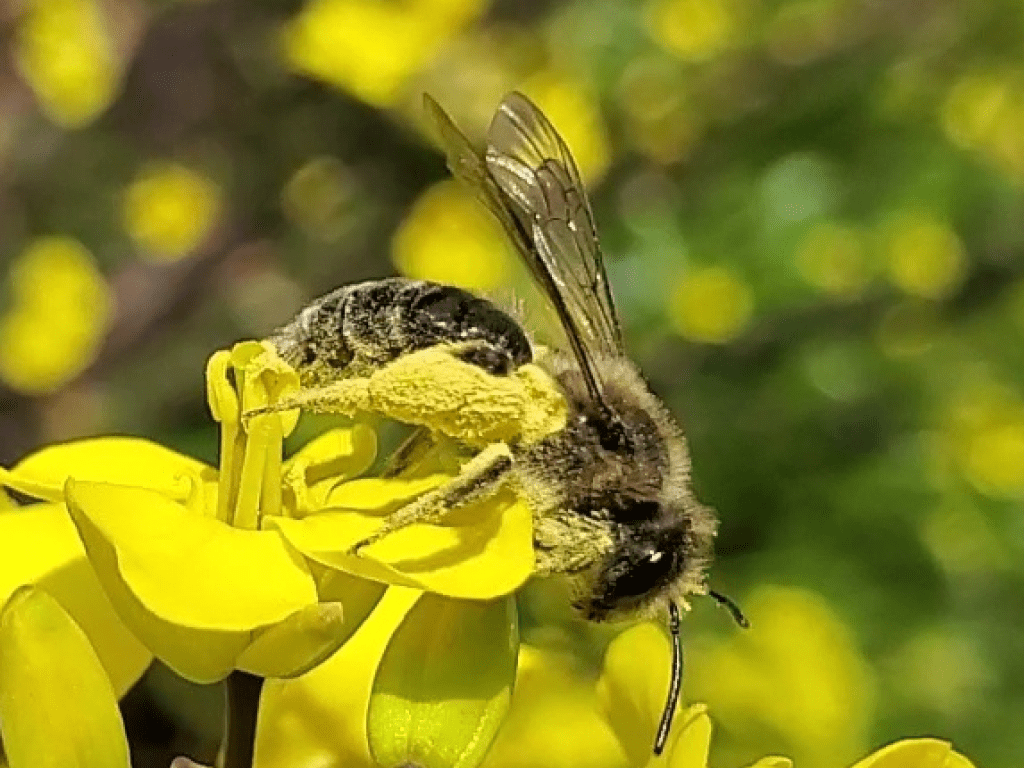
{"points": [[610, 492]]}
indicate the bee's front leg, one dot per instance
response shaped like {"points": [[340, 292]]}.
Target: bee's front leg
{"points": [[347, 397], [482, 476]]}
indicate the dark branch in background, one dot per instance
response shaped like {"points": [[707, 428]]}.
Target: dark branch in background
{"points": [[150, 299]]}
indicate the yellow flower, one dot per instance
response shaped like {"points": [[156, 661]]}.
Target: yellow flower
{"points": [[425, 680], [57, 707], [202, 565], [556, 720]]}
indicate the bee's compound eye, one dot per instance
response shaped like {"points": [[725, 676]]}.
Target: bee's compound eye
{"points": [[637, 575], [655, 565]]}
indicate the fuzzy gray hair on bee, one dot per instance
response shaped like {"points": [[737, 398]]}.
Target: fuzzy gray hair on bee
{"points": [[610, 493]]}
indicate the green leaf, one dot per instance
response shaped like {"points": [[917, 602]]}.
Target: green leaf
{"points": [[444, 685]]}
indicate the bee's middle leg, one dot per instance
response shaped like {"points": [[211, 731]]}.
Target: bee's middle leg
{"points": [[482, 476]]}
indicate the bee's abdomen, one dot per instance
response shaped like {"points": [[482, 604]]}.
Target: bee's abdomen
{"points": [[368, 325]]}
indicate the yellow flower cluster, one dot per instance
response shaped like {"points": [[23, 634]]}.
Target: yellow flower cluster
{"points": [[250, 566], [50, 673]]}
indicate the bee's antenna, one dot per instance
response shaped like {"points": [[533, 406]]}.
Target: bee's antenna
{"points": [[675, 683], [730, 605]]}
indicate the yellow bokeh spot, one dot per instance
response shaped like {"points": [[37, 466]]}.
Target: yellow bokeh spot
{"points": [[926, 258], [371, 47], [710, 305], [168, 209], [59, 312], [832, 257], [973, 106], [984, 111], [66, 55], [576, 117], [995, 455], [1007, 141], [984, 434], [449, 237], [696, 30], [796, 673], [318, 198]]}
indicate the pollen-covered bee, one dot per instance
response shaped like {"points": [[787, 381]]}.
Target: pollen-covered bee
{"points": [[609, 491]]}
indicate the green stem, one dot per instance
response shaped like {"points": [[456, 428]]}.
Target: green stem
{"points": [[243, 706]]}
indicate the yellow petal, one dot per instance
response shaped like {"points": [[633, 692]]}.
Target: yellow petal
{"points": [[125, 460], [773, 761], [320, 464], [634, 685], [493, 556], [383, 496], [916, 753], [39, 545], [297, 644], [191, 588], [57, 708], [690, 749], [320, 717], [444, 684]]}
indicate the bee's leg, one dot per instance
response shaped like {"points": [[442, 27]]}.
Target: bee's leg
{"points": [[410, 452], [569, 543], [346, 397], [481, 476]]}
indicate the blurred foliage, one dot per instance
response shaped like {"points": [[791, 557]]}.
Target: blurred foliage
{"points": [[812, 213]]}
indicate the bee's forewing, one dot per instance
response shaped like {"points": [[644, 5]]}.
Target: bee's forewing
{"points": [[530, 182], [533, 166], [468, 166]]}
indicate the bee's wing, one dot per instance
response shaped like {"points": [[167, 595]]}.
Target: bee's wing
{"points": [[536, 172], [468, 167], [545, 212]]}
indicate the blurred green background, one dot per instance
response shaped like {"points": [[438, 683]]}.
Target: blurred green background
{"points": [[812, 212]]}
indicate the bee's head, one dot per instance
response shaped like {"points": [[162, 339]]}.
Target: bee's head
{"points": [[650, 561]]}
